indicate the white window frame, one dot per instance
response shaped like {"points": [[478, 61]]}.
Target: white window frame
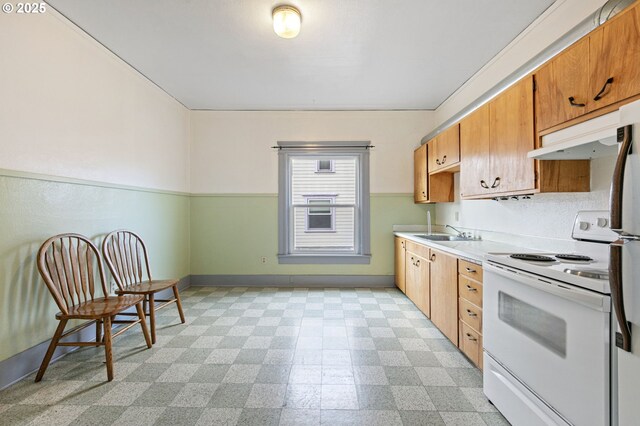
{"points": [[330, 170], [362, 241], [330, 199]]}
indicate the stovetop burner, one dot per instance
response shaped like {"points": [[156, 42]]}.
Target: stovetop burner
{"points": [[531, 257], [573, 257]]}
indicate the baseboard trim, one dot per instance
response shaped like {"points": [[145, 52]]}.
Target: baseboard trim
{"points": [[313, 281], [21, 365]]}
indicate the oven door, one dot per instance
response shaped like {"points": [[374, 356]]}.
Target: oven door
{"points": [[553, 338]]}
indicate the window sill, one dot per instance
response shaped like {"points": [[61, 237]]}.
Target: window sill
{"points": [[324, 259]]}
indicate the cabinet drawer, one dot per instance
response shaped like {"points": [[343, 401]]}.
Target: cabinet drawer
{"points": [[471, 344], [470, 270], [419, 249], [470, 314], [470, 290]]}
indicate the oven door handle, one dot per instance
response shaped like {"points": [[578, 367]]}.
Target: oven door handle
{"points": [[587, 298]]}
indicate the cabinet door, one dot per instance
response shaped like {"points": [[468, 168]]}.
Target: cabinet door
{"points": [[420, 194], [417, 282], [400, 255], [512, 137], [444, 150], [615, 54], [474, 153], [562, 86], [444, 294]]}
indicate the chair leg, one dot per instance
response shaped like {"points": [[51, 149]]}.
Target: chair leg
{"points": [[107, 348], [98, 332], [143, 324], [178, 302], [51, 350], [152, 317]]}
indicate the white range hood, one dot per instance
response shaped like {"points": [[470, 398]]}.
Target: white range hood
{"points": [[591, 139]]}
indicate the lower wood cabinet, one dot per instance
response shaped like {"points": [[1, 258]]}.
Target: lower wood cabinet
{"points": [[446, 289], [444, 293], [470, 310], [417, 276], [400, 269]]}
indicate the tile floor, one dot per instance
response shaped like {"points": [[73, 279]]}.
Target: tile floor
{"points": [[266, 357]]}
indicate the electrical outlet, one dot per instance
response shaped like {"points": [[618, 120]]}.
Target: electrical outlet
{"points": [[263, 259]]}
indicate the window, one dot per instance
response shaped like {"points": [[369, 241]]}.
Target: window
{"points": [[324, 166], [320, 219], [323, 202]]}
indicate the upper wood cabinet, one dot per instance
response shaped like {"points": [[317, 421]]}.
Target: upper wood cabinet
{"points": [[444, 293], [444, 150], [494, 141], [420, 175], [512, 137], [475, 153], [614, 55], [562, 91], [429, 188], [597, 71]]}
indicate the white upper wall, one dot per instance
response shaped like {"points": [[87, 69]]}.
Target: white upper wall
{"points": [[231, 151], [69, 107], [556, 21]]}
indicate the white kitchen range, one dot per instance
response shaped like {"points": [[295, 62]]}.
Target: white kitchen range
{"points": [[558, 328], [547, 328]]}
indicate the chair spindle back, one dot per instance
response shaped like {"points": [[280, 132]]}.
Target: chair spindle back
{"points": [[66, 263], [124, 251]]}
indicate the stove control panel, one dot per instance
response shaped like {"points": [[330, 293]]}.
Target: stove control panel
{"points": [[593, 225]]}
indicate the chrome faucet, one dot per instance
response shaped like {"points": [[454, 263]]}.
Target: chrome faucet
{"points": [[428, 222], [460, 233]]}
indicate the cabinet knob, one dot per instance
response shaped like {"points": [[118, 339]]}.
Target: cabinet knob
{"points": [[433, 257]]}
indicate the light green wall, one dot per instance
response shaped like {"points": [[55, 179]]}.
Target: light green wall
{"points": [[31, 210], [229, 235]]}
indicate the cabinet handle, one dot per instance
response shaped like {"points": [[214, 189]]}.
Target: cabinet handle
{"points": [[433, 257], [438, 162], [601, 92], [402, 244], [573, 102], [444, 159], [470, 337], [471, 314], [484, 184], [469, 288], [417, 263], [469, 270], [496, 183]]}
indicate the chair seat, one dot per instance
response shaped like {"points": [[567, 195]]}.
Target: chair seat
{"points": [[148, 287], [101, 307]]}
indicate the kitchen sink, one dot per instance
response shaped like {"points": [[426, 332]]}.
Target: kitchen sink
{"points": [[445, 238]]}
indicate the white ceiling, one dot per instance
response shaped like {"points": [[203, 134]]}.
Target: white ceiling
{"points": [[350, 54]]}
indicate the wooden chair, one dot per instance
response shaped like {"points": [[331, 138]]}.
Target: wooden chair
{"points": [[67, 264], [124, 252]]}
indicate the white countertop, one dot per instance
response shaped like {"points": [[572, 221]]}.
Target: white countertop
{"points": [[474, 250]]}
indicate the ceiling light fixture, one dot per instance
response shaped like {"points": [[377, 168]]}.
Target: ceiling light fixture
{"points": [[286, 21]]}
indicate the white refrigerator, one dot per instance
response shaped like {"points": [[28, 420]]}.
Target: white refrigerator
{"points": [[625, 269]]}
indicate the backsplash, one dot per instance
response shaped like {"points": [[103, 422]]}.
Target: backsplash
{"points": [[538, 222]]}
